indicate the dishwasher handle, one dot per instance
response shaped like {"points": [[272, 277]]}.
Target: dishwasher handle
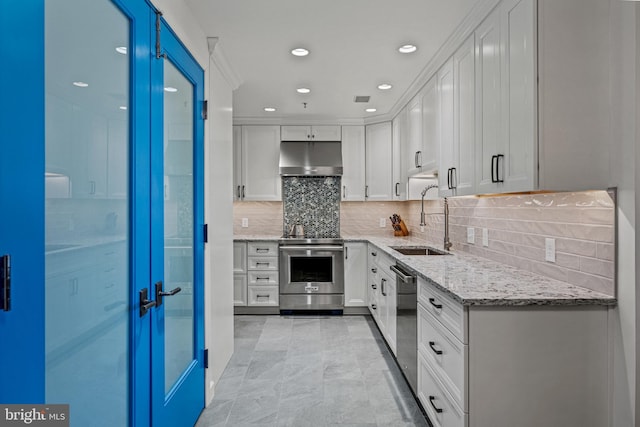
{"points": [[403, 275]]}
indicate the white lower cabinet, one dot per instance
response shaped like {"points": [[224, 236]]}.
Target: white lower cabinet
{"points": [[382, 294], [502, 366], [239, 274], [240, 290], [255, 274], [355, 274], [260, 296]]}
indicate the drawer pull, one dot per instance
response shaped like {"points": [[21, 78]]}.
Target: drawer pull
{"points": [[374, 286], [432, 301], [431, 399], [262, 296], [382, 282], [262, 250], [262, 263], [435, 350], [262, 278], [374, 253], [374, 270], [373, 306]]}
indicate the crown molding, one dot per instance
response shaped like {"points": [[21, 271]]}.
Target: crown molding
{"points": [[288, 120], [216, 54]]}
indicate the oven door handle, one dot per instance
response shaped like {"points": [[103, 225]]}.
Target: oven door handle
{"points": [[312, 248]]}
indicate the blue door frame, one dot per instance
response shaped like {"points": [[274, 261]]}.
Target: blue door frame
{"points": [[22, 165], [22, 198]]}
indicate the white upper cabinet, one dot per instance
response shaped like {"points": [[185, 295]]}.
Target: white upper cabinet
{"points": [[428, 158], [378, 162], [399, 169], [448, 151], [237, 163], [456, 89], [414, 134], [353, 154], [311, 133], [260, 154]]}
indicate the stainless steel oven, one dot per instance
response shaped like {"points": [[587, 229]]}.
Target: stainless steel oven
{"points": [[311, 274]]}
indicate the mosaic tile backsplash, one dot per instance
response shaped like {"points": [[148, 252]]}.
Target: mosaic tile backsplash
{"points": [[313, 202]]}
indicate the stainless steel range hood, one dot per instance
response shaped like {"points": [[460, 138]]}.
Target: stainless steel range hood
{"points": [[310, 158]]}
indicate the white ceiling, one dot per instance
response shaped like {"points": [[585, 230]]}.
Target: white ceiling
{"points": [[353, 46]]}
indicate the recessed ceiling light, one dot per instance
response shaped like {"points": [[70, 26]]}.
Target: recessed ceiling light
{"points": [[269, 109], [122, 50], [370, 110], [303, 90], [384, 86], [122, 107], [300, 51], [407, 48], [80, 84], [170, 89]]}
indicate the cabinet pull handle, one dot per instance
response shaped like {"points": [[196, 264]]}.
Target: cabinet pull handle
{"points": [[262, 250], [449, 178], [493, 168], [262, 263], [431, 399], [374, 253], [262, 278], [373, 306], [498, 157], [397, 192], [382, 282], [374, 270], [435, 350], [454, 178], [420, 159], [366, 191], [238, 192], [262, 296], [346, 252], [93, 187], [415, 159], [432, 301], [344, 191], [374, 286]]}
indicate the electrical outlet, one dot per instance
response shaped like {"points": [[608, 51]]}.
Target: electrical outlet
{"points": [[245, 222], [471, 235], [550, 249], [383, 222], [485, 237]]}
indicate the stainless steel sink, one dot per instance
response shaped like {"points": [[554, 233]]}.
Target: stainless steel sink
{"points": [[419, 250]]}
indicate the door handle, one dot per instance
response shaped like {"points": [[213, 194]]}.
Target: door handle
{"points": [[145, 302], [160, 293]]}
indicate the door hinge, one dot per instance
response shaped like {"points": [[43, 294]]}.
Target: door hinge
{"points": [[205, 110], [206, 233], [206, 358], [5, 283]]}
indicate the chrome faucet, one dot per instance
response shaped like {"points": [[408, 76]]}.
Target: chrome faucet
{"points": [[423, 220]]}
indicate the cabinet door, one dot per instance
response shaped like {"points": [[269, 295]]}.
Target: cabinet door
{"points": [[391, 311], [237, 163], [239, 290], [90, 145], [239, 257], [488, 99], [353, 155], [399, 169], [260, 160], [326, 133], [464, 119], [378, 162], [295, 133], [518, 94], [355, 274], [429, 158], [448, 150], [414, 134]]}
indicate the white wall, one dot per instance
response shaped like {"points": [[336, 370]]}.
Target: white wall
{"points": [[623, 74], [218, 196]]}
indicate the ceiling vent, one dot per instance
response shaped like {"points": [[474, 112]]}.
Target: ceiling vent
{"points": [[361, 98]]}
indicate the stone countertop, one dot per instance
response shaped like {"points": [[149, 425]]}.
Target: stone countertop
{"points": [[476, 281]]}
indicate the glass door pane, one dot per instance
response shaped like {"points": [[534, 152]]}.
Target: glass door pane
{"points": [[87, 243], [178, 223]]}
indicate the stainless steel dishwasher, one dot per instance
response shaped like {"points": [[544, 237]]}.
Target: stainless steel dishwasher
{"points": [[407, 324]]}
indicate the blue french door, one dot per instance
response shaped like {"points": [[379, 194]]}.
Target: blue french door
{"points": [[177, 235], [100, 201]]}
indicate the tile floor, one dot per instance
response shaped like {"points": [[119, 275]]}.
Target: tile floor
{"points": [[311, 371]]}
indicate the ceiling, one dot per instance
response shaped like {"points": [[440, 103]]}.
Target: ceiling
{"points": [[353, 48]]}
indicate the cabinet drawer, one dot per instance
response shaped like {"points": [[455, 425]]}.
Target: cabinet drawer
{"points": [[384, 264], [263, 263], [263, 249], [446, 355], [263, 278], [262, 296], [448, 312], [438, 404]]}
